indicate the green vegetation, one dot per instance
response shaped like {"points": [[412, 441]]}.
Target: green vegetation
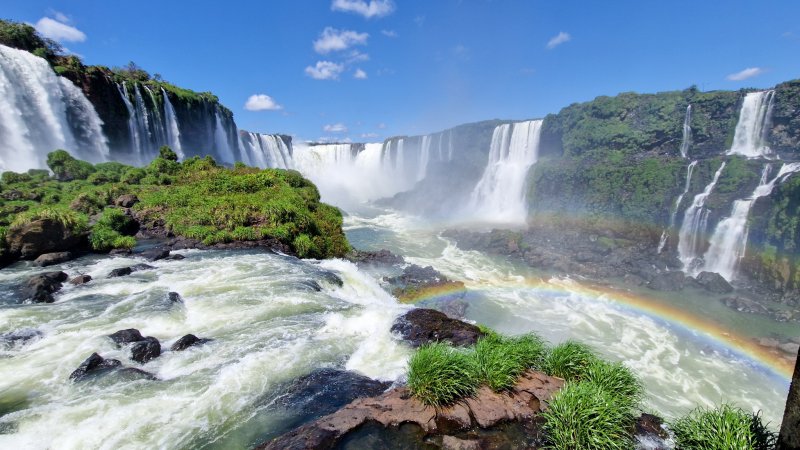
{"points": [[440, 374], [724, 428], [24, 37], [569, 360], [501, 360], [195, 199]]}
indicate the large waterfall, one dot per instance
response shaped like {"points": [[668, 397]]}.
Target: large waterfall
{"points": [[729, 241], [499, 196], [41, 112], [693, 228], [173, 131], [686, 185], [265, 150], [750, 136]]}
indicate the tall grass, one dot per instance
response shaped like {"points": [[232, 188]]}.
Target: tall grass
{"points": [[439, 374], [723, 428], [569, 360], [501, 360]]}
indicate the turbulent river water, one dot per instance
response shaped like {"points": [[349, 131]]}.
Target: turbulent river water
{"points": [[270, 324]]}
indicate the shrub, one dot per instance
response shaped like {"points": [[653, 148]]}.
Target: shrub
{"points": [[501, 360], [303, 246], [723, 428], [585, 416], [133, 176], [167, 153], [107, 233], [569, 360], [14, 177], [67, 168], [439, 374]]}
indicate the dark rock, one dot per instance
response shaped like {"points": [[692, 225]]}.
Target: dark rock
{"points": [[123, 271], [49, 259], [713, 282], [422, 326], [332, 278], [42, 236], [311, 285], [668, 281], [418, 282], [650, 434], [175, 257], [145, 350], [174, 297], [127, 336], [187, 341], [155, 254], [93, 365], [120, 251], [742, 304], [132, 373], [19, 338], [40, 288], [126, 201], [379, 257], [81, 279], [789, 438]]}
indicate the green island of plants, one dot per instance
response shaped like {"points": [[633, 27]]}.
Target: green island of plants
{"points": [[597, 407], [195, 199]]}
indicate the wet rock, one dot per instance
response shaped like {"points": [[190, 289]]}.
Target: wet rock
{"points": [[789, 438], [120, 252], [123, 271], [18, 338], [80, 279], [40, 288], [175, 257], [126, 201], [713, 282], [42, 236], [421, 326], [127, 336], [380, 257], [742, 304], [668, 281], [49, 259], [187, 341], [650, 433], [132, 373], [454, 443], [93, 365], [332, 278], [417, 282], [174, 297], [311, 285], [155, 254], [145, 350]]}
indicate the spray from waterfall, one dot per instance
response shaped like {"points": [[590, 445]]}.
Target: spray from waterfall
{"points": [[750, 136], [693, 228]]}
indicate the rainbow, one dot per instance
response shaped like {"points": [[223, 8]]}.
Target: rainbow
{"points": [[738, 344]]}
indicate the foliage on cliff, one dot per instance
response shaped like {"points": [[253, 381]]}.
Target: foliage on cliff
{"points": [[24, 37], [195, 199]]}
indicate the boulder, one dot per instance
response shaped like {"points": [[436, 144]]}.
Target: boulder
{"points": [[380, 257], [40, 288], [94, 364], [789, 437], [174, 297], [49, 259], [42, 236], [668, 281], [18, 338], [422, 326], [126, 201], [127, 336], [175, 257], [187, 341], [742, 304], [713, 282], [81, 279], [132, 374], [145, 350], [155, 254], [123, 271]]}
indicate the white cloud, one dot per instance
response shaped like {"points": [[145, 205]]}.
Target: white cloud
{"points": [[61, 17], [335, 128], [360, 75], [356, 56], [389, 33], [373, 8], [332, 39], [59, 31], [558, 39], [750, 72], [325, 70], [261, 102], [369, 135]]}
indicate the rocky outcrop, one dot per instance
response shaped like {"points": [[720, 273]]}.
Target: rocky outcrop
{"points": [[126, 201], [123, 271], [81, 279], [187, 341], [417, 282], [93, 365], [522, 403], [422, 326], [40, 288], [154, 254], [713, 282], [145, 350], [668, 281], [51, 259], [43, 236], [127, 336], [374, 258], [789, 438]]}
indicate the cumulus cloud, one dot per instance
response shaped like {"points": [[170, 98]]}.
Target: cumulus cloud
{"points": [[261, 102], [332, 39], [335, 128], [360, 75], [558, 39], [325, 70], [58, 30], [750, 72], [373, 8], [389, 33]]}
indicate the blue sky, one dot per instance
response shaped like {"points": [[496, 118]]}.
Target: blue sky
{"points": [[424, 66]]}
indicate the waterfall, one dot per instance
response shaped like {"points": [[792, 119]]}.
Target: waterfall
{"points": [[686, 185], [729, 241], [159, 127], [499, 196], [749, 139], [221, 142], [41, 112], [695, 222], [687, 132], [424, 158], [173, 132], [265, 150]]}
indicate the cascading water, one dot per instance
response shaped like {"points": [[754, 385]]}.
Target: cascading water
{"points": [[265, 150], [221, 141], [751, 131], [687, 132], [729, 241], [173, 131], [499, 196], [424, 158], [665, 234], [693, 227], [41, 112], [159, 125]]}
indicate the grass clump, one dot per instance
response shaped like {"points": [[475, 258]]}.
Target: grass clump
{"points": [[583, 415], [617, 380], [569, 360], [77, 223], [723, 428], [439, 374], [501, 360]]}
